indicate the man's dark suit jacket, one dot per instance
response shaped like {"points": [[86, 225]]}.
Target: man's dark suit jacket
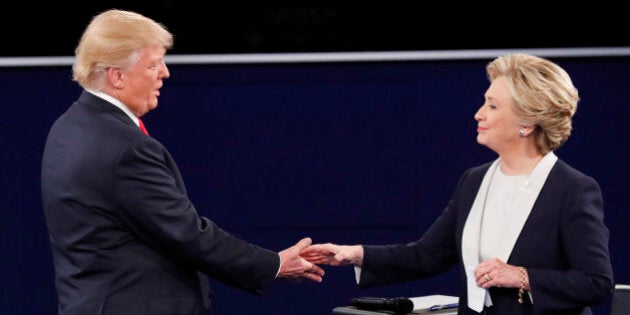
{"points": [[125, 237], [563, 245]]}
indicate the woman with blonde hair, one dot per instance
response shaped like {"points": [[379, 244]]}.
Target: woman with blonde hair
{"points": [[526, 230]]}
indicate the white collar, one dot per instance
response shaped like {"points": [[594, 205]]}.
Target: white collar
{"points": [[114, 101]]}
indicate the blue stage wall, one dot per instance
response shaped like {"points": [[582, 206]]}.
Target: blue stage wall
{"points": [[365, 152]]}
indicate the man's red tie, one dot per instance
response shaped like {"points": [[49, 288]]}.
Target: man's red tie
{"points": [[142, 127]]}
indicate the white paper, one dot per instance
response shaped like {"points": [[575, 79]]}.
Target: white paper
{"points": [[424, 302]]}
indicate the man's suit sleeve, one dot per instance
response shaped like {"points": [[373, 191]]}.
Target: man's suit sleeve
{"points": [[153, 203]]}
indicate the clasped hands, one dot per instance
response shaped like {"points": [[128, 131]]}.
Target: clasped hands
{"points": [[334, 255], [302, 259]]}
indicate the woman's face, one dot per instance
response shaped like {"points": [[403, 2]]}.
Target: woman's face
{"points": [[497, 125]]}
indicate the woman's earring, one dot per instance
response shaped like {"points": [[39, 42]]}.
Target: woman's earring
{"points": [[521, 132]]}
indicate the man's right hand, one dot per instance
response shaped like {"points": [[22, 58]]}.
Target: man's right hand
{"points": [[293, 266]]}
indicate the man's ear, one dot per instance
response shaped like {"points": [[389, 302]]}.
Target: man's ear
{"points": [[115, 77]]}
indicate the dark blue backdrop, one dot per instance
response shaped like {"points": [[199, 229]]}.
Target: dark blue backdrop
{"points": [[341, 152]]}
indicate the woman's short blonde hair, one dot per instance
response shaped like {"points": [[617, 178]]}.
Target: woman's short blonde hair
{"points": [[544, 96], [113, 39]]}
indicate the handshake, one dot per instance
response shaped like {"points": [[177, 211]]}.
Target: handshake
{"points": [[302, 259]]}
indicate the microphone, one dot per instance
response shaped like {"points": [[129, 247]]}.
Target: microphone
{"points": [[398, 305]]}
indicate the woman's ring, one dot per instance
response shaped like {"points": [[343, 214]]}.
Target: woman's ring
{"points": [[487, 277]]}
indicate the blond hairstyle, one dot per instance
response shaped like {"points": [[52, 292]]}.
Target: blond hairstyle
{"points": [[543, 95], [113, 39]]}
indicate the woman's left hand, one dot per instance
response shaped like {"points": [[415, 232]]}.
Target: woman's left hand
{"points": [[495, 273]]}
